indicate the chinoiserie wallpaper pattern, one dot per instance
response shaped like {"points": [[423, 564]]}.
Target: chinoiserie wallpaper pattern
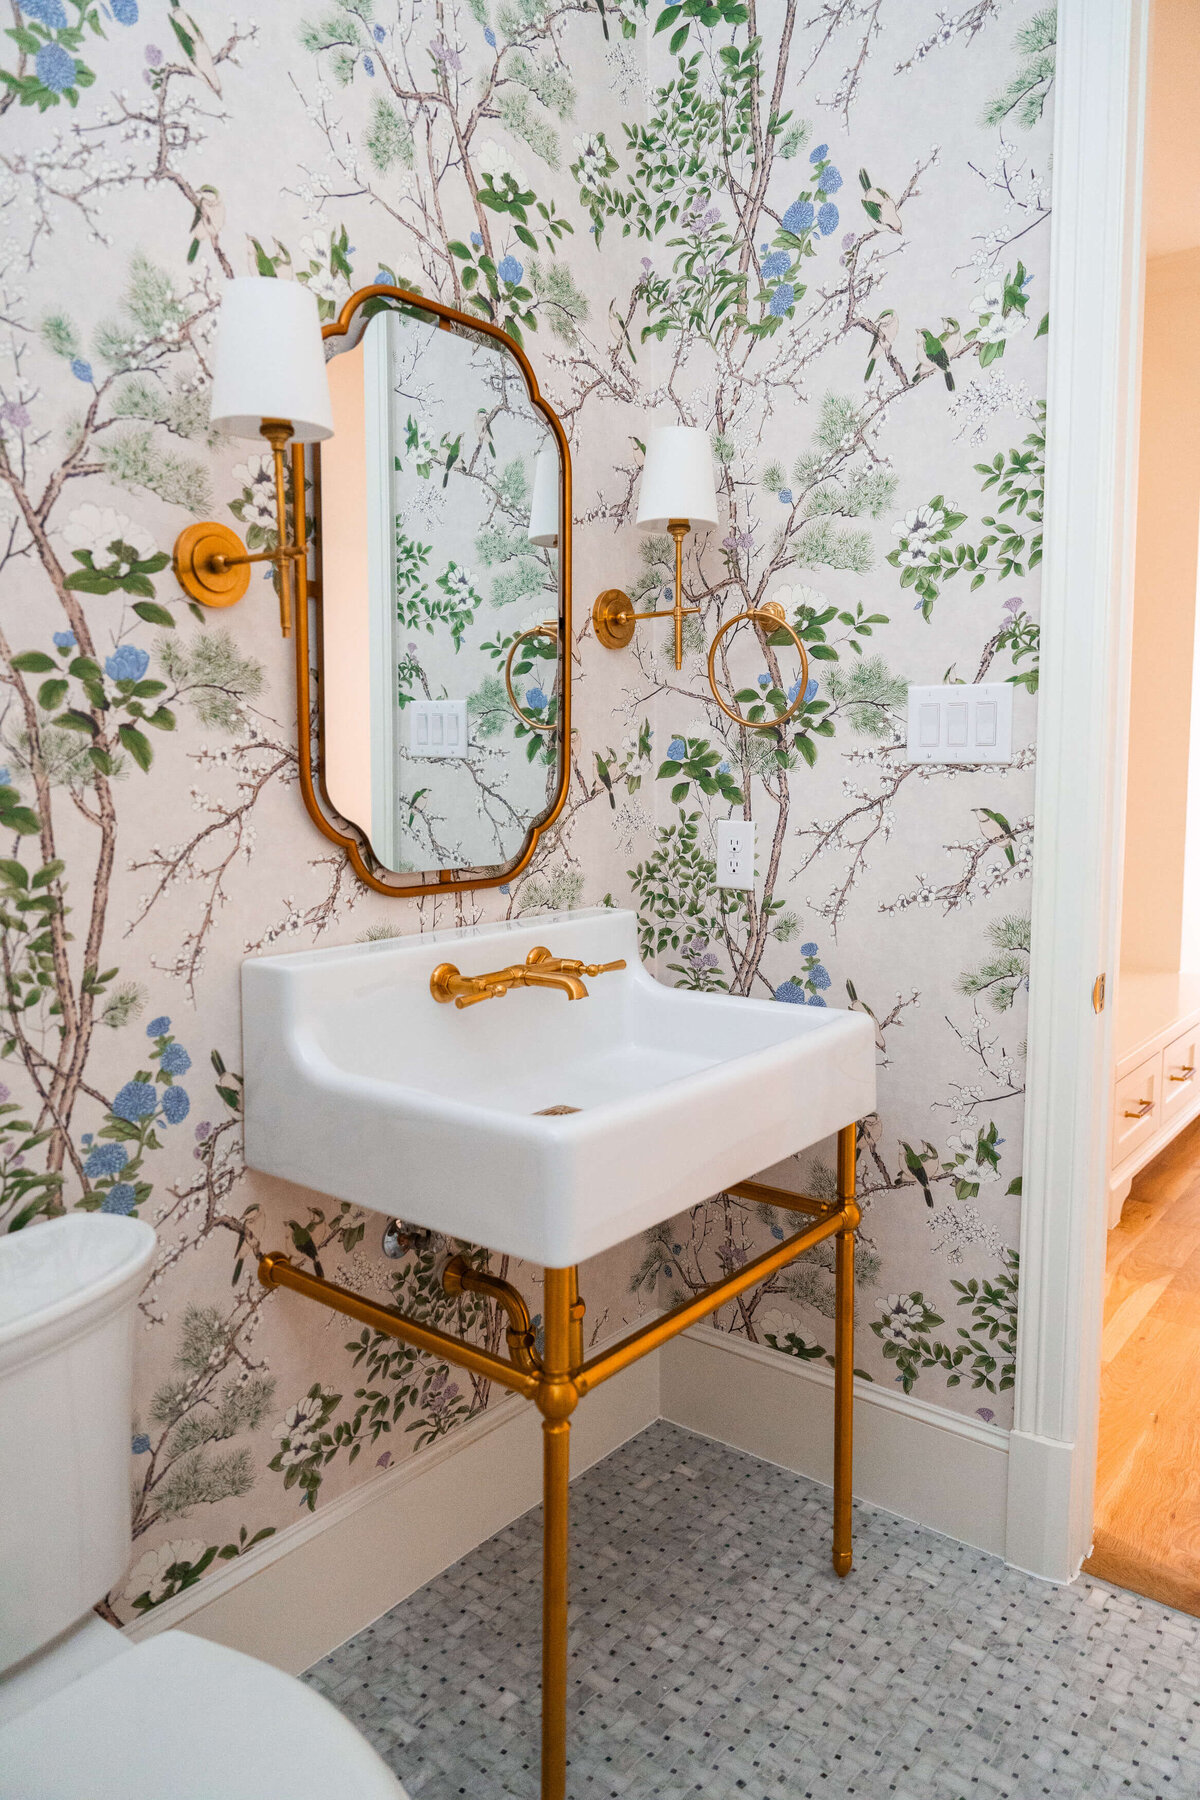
{"points": [[822, 239]]}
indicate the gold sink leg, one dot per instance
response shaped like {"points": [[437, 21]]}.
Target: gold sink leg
{"points": [[843, 1352], [556, 1397]]}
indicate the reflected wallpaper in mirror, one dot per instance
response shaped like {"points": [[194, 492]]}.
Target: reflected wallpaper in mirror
{"points": [[440, 687]]}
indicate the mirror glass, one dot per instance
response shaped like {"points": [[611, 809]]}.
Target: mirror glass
{"points": [[441, 600]]}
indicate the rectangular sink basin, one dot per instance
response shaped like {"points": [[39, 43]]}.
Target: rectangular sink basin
{"points": [[546, 1128]]}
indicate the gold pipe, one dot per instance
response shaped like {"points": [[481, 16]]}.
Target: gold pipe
{"points": [[275, 1270], [578, 1309], [658, 1331], [781, 1197], [459, 1277], [300, 527], [843, 1354], [556, 1397], [679, 529], [277, 432]]}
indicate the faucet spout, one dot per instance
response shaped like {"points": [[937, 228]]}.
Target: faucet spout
{"points": [[570, 985]]}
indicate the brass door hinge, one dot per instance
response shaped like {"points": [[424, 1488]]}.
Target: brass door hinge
{"points": [[1098, 994]]}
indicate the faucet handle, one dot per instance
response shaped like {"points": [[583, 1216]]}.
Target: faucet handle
{"points": [[603, 968], [488, 993]]}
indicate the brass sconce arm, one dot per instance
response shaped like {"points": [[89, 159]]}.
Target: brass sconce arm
{"points": [[212, 564], [539, 969], [613, 617]]}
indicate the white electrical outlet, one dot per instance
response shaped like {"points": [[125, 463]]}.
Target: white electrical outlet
{"points": [[735, 853], [437, 728], [963, 723]]}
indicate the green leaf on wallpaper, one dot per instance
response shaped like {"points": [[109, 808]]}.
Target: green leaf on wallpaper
{"points": [[52, 693], [34, 662], [137, 744], [153, 613], [74, 720]]}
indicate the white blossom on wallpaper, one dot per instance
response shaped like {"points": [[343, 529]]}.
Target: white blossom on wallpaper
{"points": [[823, 241]]}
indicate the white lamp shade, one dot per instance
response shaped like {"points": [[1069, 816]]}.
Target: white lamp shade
{"points": [[677, 479], [543, 512], [269, 362]]}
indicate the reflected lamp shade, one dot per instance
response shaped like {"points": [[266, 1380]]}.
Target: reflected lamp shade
{"points": [[677, 479], [269, 361], [543, 511]]}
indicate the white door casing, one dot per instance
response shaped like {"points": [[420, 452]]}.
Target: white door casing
{"points": [[1092, 417]]}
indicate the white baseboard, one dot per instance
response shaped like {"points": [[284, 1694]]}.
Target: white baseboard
{"points": [[297, 1595], [1041, 1507], [927, 1464]]}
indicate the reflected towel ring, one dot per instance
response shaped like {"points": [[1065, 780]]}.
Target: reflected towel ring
{"points": [[768, 617], [549, 629]]}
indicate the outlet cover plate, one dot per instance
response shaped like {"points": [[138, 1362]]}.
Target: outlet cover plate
{"points": [[966, 722], [735, 853]]}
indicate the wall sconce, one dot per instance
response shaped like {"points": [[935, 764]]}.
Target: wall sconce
{"points": [[269, 381], [677, 495], [543, 509]]}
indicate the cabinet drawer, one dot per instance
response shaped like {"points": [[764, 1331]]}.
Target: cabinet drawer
{"points": [[1181, 1073], [1137, 1108]]}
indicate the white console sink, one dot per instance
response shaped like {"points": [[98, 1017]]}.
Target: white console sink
{"points": [[358, 1083]]}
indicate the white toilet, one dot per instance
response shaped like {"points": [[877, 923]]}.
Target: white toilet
{"points": [[85, 1714]]}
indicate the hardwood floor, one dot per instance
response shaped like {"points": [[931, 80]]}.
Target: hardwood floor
{"points": [[1147, 1532]]}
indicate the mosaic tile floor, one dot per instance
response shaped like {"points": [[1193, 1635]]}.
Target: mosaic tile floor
{"points": [[715, 1653]]}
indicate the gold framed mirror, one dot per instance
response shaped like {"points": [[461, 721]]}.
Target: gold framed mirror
{"points": [[433, 634]]}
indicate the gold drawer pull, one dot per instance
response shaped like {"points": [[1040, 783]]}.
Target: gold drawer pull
{"points": [[1186, 1073], [768, 618], [1143, 1107]]}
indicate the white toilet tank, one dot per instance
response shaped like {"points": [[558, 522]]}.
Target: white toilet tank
{"points": [[67, 1293]]}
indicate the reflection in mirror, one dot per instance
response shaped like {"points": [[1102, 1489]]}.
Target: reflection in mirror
{"points": [[440, 647]]}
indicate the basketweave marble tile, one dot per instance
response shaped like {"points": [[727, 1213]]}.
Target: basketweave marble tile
{"points": [[714, 1653]]}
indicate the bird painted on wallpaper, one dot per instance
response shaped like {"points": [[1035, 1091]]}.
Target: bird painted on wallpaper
{"points": [[857, 1005], [883, 336], [997, 829], [915, 1163], [878, 204], [194, 45], [935, 354], [207, 219]]}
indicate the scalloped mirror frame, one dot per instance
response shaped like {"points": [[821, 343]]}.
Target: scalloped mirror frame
{"points": [[307, 466]]}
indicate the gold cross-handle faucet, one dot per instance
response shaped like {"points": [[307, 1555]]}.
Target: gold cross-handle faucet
{"points": [[539, 969]]}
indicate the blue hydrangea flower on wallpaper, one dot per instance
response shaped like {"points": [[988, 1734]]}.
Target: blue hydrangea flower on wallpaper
{"points": [[846, 291]]}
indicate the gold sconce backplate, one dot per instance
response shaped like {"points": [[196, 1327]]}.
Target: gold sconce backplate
{"points": [[613, 618], [203, 554]]}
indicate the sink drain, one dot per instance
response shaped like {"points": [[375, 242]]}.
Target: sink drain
{"points": [[544, 1112]]}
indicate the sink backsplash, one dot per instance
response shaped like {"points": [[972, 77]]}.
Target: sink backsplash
{"points": [[853, 485]]}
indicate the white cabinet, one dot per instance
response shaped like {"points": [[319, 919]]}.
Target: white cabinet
{"points": [[1156, 1085]]}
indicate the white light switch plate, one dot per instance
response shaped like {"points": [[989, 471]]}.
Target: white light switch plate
{"points": [[437, 728], [963, 723], [735, 853]]}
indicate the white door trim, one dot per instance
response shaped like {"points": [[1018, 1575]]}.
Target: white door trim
{"points": [[1095, 321]]}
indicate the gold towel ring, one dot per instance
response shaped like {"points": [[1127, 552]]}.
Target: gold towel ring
{"points": [[549, 629], [769, 617]]}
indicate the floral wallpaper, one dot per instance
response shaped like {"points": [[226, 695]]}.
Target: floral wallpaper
{"points": [[822, 239]]}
